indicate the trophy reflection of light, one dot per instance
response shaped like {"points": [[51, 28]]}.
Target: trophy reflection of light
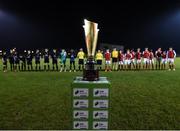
{"points": [[91, 30], [91, 35]]}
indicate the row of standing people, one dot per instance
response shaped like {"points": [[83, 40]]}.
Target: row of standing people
{"points": [[146, 59], [120, 60], [23, 62]]}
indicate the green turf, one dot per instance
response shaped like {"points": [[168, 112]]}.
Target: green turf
{"points": [[139, 99]]}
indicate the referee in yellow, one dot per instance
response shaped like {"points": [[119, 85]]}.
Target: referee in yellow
{"points": [[81, 56], [114, 59], [99, 58]]}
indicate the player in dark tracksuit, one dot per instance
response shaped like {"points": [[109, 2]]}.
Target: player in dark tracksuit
{"points": [[54, 60], [158, 55], [16, 61], [72, 60], [29, 58], [22, 58], [37, 60], [4, 60], [11, 60], [46, 60]]}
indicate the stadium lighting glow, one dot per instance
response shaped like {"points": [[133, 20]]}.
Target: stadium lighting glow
{"points": [[1, 13], [7, 19], [0, 51]]}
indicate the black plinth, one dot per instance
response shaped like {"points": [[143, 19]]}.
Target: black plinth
{"points": [[90, 72]]}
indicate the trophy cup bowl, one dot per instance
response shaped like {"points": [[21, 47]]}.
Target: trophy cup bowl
{"points": [[90, 72]]}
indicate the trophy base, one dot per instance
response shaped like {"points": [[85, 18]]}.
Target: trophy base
{"points": [[90, 75]]}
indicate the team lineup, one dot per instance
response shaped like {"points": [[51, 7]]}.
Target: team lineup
{"points": [[114, 61]]}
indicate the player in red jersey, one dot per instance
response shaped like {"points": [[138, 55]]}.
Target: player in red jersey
{"points": [[133, 54], [121, 60], [164, 60], [107, 57], [128, 60], [151, 59], [171, 55], [146, 55], [158, 55], [138, 59]]}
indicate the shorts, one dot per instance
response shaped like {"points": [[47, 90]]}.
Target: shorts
{"points": [[158, 59], [29, 62], [64, 61], [121, 62], [164, 61], [127, 62], [146, 61], [46, 60], [171, 60], [5, 63], [138, 61], [114, 60], [37, 62], [81, 62], [108, 62], [72, 62], [54, 62], [99, 62], [16, 62], [11, 62], [151, 61], [133, 61]]}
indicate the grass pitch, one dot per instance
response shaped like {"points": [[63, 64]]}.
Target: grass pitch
{"points": [[139, 99]]}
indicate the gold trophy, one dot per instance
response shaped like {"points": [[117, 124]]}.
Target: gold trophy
{"points": [[91, 73]]}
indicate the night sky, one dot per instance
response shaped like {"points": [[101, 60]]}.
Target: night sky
{"points": [[31, 24]]}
